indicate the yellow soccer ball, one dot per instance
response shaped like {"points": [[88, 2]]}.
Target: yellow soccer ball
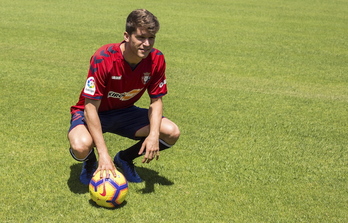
{"points": [[110, 192]]}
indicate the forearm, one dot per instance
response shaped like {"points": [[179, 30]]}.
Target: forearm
{"points": [[151, 143], [94, 127], [155, 117], [105, 164]]}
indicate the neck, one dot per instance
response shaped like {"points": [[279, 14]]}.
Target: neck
{"points": [[133, 62]]}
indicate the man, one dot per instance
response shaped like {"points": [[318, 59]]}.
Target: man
{"points": [[119, 74]]}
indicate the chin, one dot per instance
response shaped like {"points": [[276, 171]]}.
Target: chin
{"points": [[143, 56]]}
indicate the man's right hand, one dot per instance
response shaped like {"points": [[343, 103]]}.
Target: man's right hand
{"points": [[105, 166]]}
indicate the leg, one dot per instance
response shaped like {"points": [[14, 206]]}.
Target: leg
{"points": [[81, 149], [168, 136], [133, 123], [169, 132], [81, 142]]}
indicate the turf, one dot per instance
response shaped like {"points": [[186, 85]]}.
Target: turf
{"points": [[258, 89]]}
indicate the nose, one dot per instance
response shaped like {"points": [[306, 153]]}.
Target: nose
{"points": [[146, 42]]}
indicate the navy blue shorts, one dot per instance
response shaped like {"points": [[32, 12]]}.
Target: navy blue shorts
{"points": [[124, 122]]}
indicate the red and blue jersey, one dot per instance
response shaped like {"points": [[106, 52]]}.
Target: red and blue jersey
{"points": [[112, 80]]}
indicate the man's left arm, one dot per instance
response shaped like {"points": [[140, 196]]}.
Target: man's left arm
{"points": [[151, 143]]}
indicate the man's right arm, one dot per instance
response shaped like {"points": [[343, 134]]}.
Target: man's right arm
{"points": [[94, 126]]}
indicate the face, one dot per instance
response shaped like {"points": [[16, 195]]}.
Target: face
{"points": [[139, 45]]}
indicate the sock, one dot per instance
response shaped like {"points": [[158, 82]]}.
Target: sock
{"points": [[132, 152], [91, 156], [163, 145]]}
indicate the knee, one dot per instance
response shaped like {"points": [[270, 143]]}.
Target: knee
{"points": [[79, 153], [171, 133], [80, 149], [175, 133]]}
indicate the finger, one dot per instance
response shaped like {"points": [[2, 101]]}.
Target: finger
{"points": [[145, 160], [101, 174], [146, 156], [150, 158], [95, 172], [113, 172], [142, 148], [107, 174]]}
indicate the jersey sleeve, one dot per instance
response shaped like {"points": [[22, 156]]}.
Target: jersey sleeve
{"points": [[96, 79], [158, 86]]}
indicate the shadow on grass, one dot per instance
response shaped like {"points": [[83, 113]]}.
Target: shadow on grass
{"points": [[92, 203], [74, 183], [151, 178]]}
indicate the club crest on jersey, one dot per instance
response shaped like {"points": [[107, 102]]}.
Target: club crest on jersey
{"points": [[90, 86], [146, 78]]}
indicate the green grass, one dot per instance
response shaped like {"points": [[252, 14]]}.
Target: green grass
{"points": [[258, 89]]}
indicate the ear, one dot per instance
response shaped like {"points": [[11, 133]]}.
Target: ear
{"points": [[126, 36]]}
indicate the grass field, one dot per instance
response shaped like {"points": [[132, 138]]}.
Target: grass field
{"points": [[259, 90]]}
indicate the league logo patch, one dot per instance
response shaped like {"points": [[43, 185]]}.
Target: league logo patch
{"points": [[90, 86], [146, 78]]}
